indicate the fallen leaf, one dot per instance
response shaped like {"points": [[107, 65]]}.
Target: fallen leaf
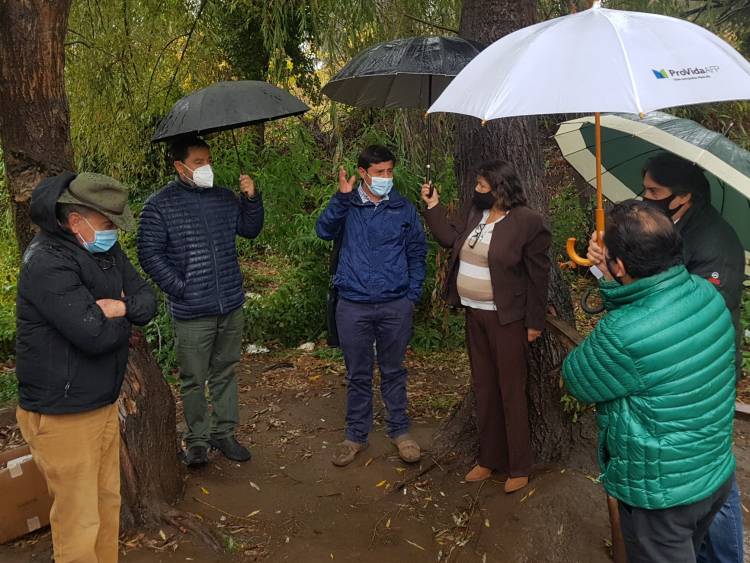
{"points": [[369, 461], [254, 486], [204, 490], [382, 483], [531, 492], [400, 469], [253, 513], [162, 535], [745, 509], [314, 377], [486, 522], [388, 523]]}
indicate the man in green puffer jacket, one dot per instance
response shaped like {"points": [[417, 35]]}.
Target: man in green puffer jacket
{"points": [[660, 368]]}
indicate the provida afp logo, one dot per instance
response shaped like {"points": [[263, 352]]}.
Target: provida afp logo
{"points": [[687, 73]]}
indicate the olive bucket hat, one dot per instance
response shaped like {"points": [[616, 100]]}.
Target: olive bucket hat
{"points": [[103, 194]]}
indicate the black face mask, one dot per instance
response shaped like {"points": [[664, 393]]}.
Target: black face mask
{"points": [[483, 201], [663, 205], [611, 264]]}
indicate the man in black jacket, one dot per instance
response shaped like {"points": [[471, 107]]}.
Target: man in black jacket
{"points": [[78, 296], [187, 244]]}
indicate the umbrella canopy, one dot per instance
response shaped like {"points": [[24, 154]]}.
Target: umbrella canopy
{"points": [[227, 105], [628, 142], [598, 60], [403, 73]]}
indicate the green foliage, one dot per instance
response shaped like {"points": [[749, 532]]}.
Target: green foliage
{"points": [[569, 219], [573, 406], [8, 387], [8, 271]]}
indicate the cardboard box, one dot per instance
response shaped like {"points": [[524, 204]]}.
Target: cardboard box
{"points": [[25, 501]]}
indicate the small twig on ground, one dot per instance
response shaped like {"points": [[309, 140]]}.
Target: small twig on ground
{"points": [[224, 512]]}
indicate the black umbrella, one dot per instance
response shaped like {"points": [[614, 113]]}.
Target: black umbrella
{"points": [[403, 73], [227, 105]]}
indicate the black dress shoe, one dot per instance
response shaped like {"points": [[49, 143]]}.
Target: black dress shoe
{"points": [[196, 456], [231, 448]]}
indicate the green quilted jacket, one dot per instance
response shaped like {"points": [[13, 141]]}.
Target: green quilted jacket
{"points": [[660, 368]]}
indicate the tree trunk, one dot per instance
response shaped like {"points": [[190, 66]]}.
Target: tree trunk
{"points": [[152, 474], [35, 136], [34, 117], [515, 140]]}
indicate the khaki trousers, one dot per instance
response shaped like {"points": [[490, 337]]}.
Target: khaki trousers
{"points": [[79, 456]]}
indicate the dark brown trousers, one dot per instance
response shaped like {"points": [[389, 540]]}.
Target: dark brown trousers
{"points": [[497, 354]]}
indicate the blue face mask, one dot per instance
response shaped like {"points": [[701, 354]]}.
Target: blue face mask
{"points": [[103, 240], [381, 186]]}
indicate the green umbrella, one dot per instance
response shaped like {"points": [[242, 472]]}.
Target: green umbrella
{"points": [[628, 141]]}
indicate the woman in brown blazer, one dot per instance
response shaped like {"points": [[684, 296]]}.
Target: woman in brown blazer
{"points": [[498, 271]]}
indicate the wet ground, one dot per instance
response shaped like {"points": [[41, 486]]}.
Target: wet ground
{"points": [[291, 504]]}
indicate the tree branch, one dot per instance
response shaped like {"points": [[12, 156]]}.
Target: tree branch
{"points": [[184, 48], [436, 26]]}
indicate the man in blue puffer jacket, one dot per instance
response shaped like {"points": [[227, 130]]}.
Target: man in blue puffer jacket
{"points": [[379, 279], [186, 243]]}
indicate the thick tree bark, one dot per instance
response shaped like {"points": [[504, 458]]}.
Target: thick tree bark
{"points": [[34, 117], [515, 140], [35, 136], [152, 475]]}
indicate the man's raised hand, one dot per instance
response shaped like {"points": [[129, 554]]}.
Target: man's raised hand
{"points": [[345, 186]]}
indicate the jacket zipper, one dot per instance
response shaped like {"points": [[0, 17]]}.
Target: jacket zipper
{"points": [[213, 258], [67, 369]]}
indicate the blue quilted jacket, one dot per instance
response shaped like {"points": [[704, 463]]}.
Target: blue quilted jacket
{"points": [[186, 243], [660, 368], [383, 247]]}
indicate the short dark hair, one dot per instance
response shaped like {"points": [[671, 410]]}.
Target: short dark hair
{"points": [[643, 237], [63, 211], [180, 147], [505, 184], [375, 154], [681, 176]]}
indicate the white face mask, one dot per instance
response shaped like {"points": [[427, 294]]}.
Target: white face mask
{"points": [[203, 176]]}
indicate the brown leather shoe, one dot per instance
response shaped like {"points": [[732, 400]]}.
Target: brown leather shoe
{"points": [[514, 484], [346, 451], [478, 473]]}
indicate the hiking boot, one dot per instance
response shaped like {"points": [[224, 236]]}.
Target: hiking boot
{"points": [[408, 450], [478, 473], [196, 456], [346, 451], [514, 484], [231, 448]]}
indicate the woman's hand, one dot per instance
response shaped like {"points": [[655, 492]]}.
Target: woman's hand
{"points": [[532, 334], [430, 200]]}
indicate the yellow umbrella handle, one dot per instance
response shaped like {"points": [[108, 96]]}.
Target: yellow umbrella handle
{"points": [[571, 245]]}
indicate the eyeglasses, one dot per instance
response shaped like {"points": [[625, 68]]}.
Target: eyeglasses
{"points": [[477, 236]]}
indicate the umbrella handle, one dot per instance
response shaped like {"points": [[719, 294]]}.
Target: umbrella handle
{"points": [[574, 256]]}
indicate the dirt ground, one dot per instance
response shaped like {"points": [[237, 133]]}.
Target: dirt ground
{"points": [[291, 504]]}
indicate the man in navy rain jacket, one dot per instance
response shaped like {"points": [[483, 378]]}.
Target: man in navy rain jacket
{"points": [[187, 244], [379, 279]]}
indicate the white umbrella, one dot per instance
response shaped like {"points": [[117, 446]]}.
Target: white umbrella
{"points": [[598, 60]]}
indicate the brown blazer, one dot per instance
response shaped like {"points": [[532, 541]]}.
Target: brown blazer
{"points": [[518, 259]]}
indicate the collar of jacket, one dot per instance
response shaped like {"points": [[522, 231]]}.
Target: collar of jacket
{"points": [[395, 199], [189, 187], [616, 295], [691, 217]]}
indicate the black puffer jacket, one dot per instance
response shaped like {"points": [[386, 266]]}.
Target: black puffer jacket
{"points": [[69, 356], [187, 244]]}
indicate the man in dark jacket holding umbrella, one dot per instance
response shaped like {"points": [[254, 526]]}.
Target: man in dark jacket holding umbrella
{"points": [[379, 279], [187, 244], [712, 250], [78, 296]]}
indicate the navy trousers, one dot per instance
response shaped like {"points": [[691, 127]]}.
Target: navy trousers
{"points": [[388, 326]]}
